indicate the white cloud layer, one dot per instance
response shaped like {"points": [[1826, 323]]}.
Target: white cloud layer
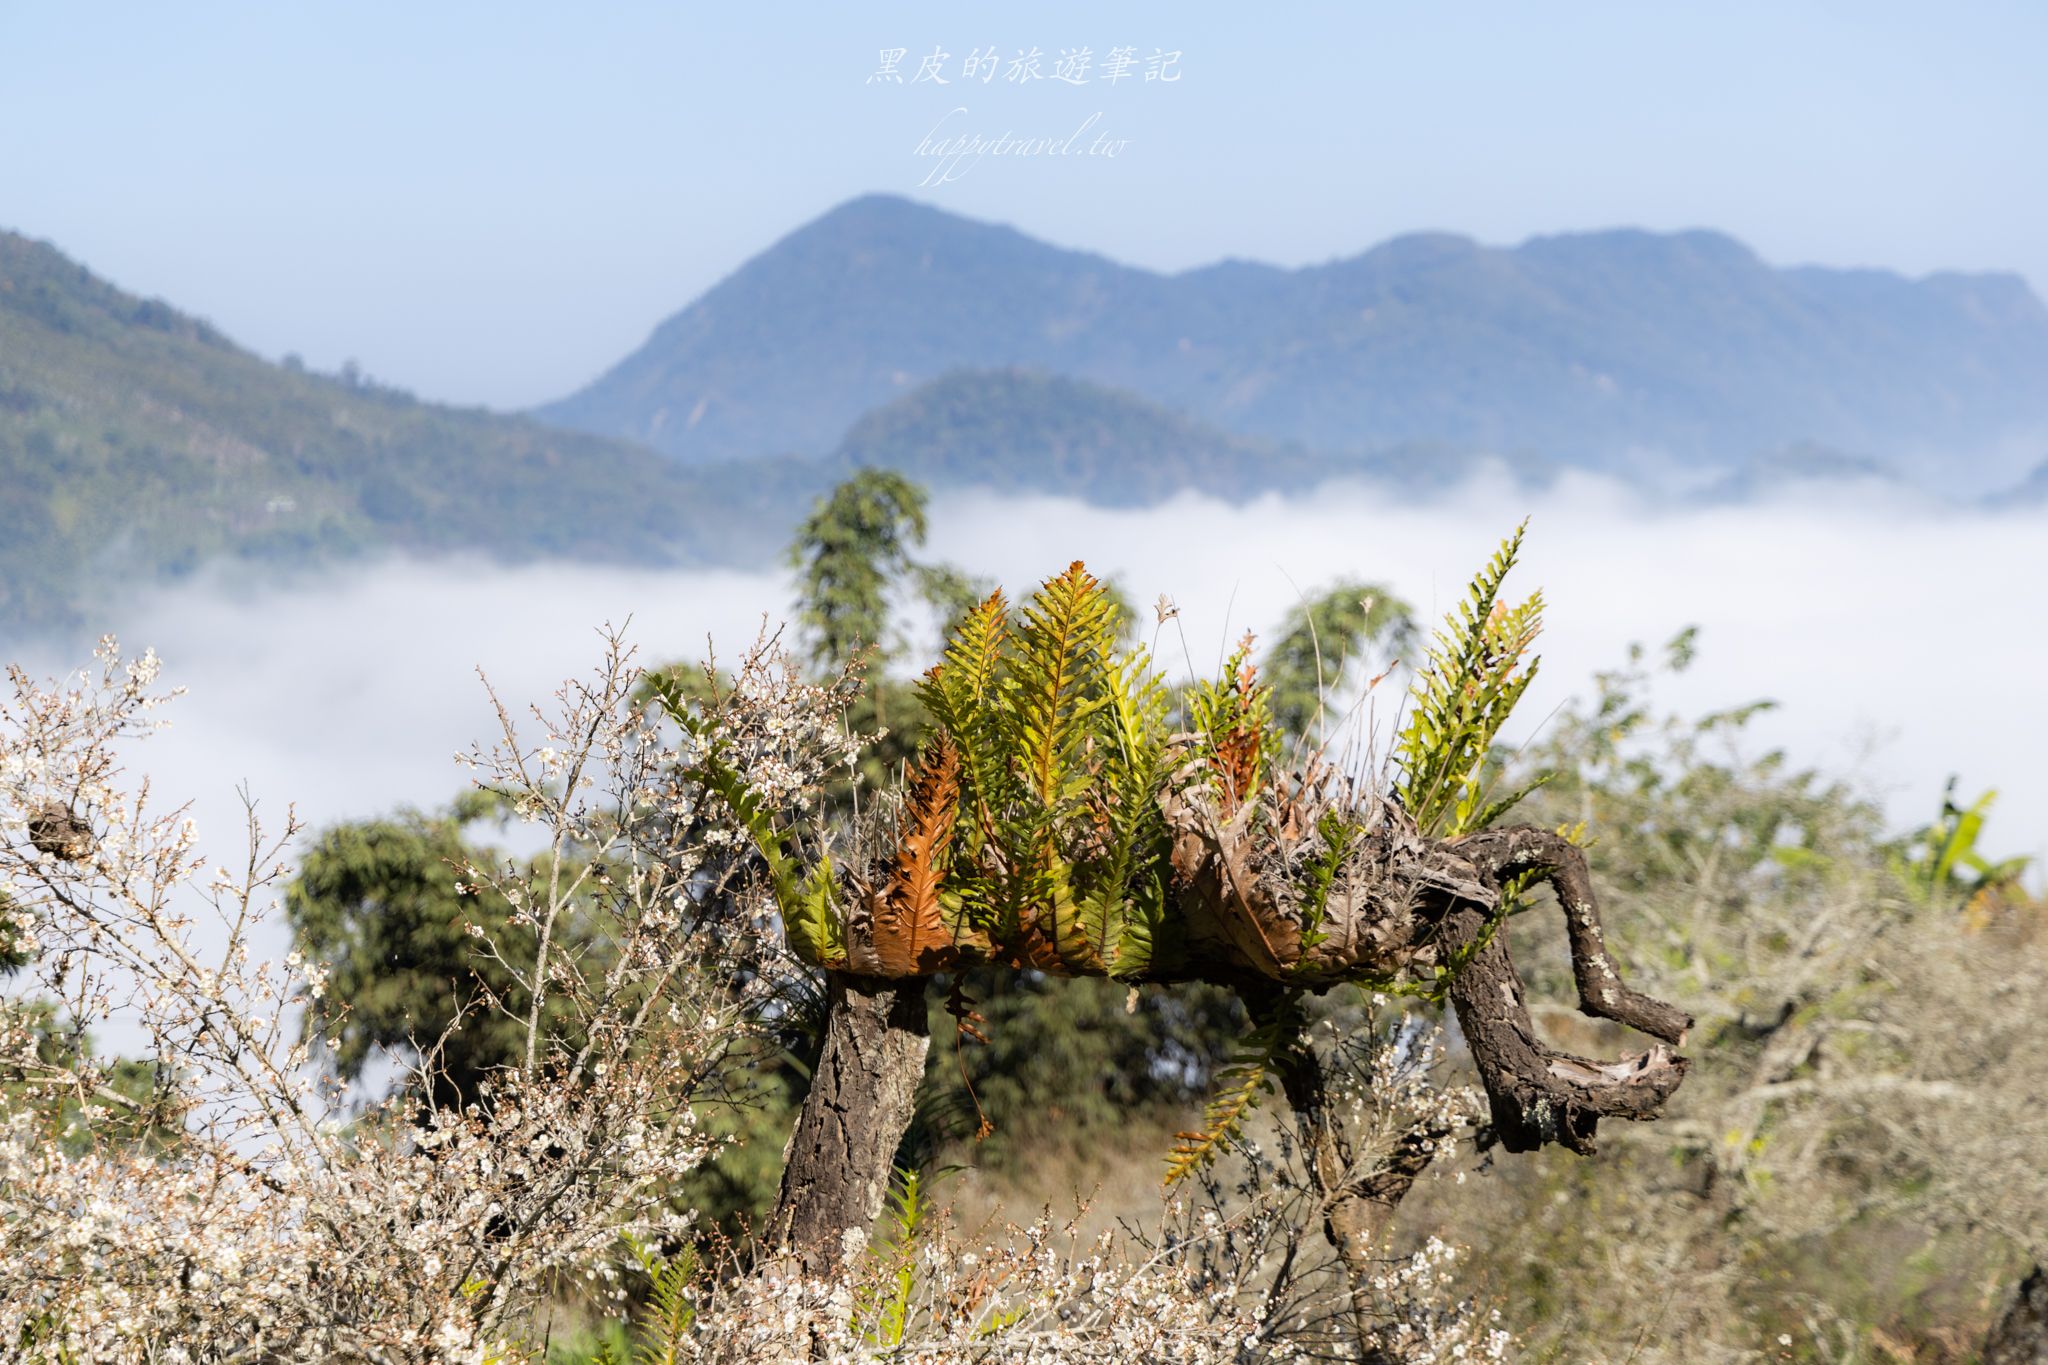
{"points": [[1905, 642]]}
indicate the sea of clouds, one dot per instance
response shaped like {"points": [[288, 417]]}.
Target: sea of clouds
{"points": [[1904, 642]]}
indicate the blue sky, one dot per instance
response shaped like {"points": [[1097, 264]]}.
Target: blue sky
{"points": [[492, 202]]}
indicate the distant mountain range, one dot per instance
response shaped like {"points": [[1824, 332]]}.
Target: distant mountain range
{"points": [[137, 443], [1585, 349]]}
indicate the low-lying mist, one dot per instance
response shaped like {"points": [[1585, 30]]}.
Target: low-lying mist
{"points": [[1904, 642]]}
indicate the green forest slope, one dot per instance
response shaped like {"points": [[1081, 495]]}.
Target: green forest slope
{"points": [[137, 443]]}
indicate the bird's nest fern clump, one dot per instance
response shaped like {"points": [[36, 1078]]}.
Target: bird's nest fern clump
{"points": [[1070, 815]]}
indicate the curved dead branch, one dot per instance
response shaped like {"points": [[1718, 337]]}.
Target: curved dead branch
{"points": [[1537, 1093]]}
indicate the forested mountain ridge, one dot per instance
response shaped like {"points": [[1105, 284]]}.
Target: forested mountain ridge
{"points": [[1025, 431], [137, 442], [1581, 347], [1030, 432]]}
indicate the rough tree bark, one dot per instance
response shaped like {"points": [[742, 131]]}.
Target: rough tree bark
{"points": [[836, 1170], [1536, 1094]]}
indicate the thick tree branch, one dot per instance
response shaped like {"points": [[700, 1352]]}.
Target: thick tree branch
{"points": [[1537, 1093]]}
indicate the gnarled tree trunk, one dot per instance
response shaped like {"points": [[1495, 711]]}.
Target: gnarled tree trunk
{"points": [[1538, 1094], [835, 1173]]}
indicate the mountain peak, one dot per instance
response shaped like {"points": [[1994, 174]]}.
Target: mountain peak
{"points": [[891, 219], [872, 208], [1421, 248], [1581, 346]]}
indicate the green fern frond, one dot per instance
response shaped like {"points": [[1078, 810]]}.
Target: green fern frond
{"points": [[1494, 810], [810, 918], [1338, 831], [1066, 640], [812, 922], [1064, 919], [1239, 1084], [724, 781], [1475, 674], [1141, 932], [1063, 747], [959, 694], [1123, 900], [665, 1321], [886, 1313], [1052, 689]]}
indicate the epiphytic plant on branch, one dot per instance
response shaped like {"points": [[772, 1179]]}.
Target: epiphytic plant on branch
{"points": [[1063, 818]]}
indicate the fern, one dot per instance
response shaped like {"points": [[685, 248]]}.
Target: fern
{"points": [[912, 932], [1495, 809], [1234, 717], [887, 1313], [1240, 1082], [668, 1315], [1339, 831], [810, 919], [1123, 902], [960, 695], [1473, 679], [1065, 644], [1054, 689], [1033, 712]]}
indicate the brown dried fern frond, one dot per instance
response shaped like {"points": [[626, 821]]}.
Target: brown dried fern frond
{"points": [[911, 934]]}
